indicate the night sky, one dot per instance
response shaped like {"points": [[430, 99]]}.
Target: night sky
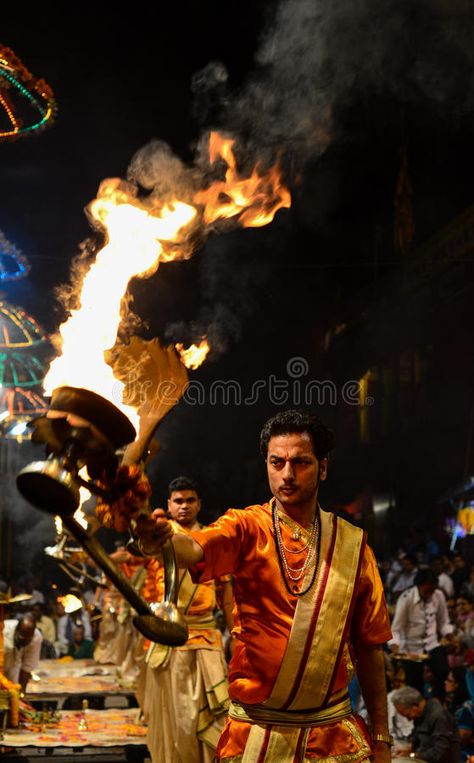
{"points": [[388, 77]]}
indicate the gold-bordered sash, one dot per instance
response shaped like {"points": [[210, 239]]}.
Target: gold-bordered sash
{"points": [[267, 744], [318, 632], [262, 714], [271, 743]]}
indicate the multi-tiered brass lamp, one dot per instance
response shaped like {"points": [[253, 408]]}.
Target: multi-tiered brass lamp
{"points": [[81, 429]]}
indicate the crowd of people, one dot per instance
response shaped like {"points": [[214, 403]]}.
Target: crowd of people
{"points": [[37, 626], [430, 658]]}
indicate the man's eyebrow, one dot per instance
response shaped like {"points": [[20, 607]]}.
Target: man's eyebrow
{"points": [[292, 458]]}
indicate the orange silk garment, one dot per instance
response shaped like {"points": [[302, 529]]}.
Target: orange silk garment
{"points": [[196, 601], [241, 542], [342, 740]]}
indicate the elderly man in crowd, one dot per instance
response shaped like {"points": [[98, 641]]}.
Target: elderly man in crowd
{"points": [[22, 646], [435, 738]]}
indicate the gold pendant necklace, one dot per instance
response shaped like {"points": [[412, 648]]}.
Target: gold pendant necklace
{"points": [[295, 574]]}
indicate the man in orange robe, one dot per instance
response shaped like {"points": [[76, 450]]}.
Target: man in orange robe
{"points": [[186, 691], [309, 603]]}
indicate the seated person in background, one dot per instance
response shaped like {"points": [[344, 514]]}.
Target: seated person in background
{"points": [[460, 573], [44, 623], [435, 738], [66, 624], [429, 682], [80, 648], [406, 578], [444, 580], [467, 588], [465, 722], [399, 726], [464, 619], [455, 688], [21, 649], [464, 612]]}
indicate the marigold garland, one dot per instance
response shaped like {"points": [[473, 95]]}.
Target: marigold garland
{"points": [[14, 691], [134, 489]]}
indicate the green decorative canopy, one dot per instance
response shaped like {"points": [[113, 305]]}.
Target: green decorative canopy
{"points": [[24, 350]]}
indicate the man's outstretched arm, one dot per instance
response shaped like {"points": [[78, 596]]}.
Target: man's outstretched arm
{"points": [[155, 530]]}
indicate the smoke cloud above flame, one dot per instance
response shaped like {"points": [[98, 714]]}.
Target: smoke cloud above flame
{"points": [[318, 57], [316, 60]]}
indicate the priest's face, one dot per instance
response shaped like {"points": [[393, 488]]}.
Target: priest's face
{"points": [[183, 506], [294, 471]]}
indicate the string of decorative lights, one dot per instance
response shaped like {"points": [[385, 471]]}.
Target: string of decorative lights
{"points": [[19, 87], [23, 352], [13, 263]]}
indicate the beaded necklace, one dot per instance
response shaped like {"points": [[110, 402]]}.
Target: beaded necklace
{"points": [[313, 545]]}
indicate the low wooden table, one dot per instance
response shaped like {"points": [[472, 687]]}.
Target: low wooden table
{"points": [[57, 681], [95, 735]]}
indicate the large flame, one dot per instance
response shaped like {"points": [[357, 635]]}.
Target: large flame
{"points": [[194, 356], [253, 200], [137, 241], [133, 248]]}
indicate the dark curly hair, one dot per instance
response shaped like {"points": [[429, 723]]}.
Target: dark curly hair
{"points": [[182, 483], [295, 420], [426, 576]]}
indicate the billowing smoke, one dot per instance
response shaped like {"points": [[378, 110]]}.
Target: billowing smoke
{"points": [[227, 290], [23, 532], [319, 57], [317, 60]]}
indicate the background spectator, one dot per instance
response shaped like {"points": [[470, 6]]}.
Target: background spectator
{"points": [[421, 618], [444, 580], [406, 577], [460, 573], [21, 649], [80, 648], [435, 738], [455, 689]]}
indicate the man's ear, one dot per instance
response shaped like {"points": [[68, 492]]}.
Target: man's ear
{"points": [[323, 469]]}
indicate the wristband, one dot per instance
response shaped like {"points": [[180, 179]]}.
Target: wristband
{"points": [[387, 738]]}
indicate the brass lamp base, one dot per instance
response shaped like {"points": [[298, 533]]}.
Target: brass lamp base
{"points": [[166, 625], [81, 429], [49, 487]]}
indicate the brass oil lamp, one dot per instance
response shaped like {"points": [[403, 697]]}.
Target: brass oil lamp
{"points": [[84, 429]]}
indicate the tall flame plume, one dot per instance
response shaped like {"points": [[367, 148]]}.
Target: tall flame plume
{"points": [[194, 356], [137, 240]]}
